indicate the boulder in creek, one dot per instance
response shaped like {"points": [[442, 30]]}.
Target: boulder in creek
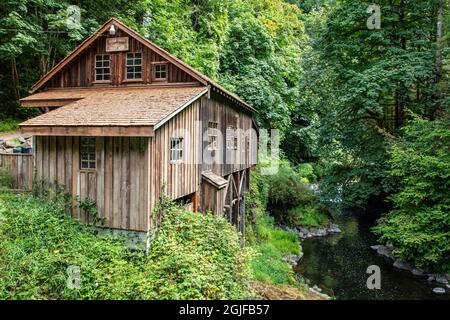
{"points": [[442, 279], [439, 290], [386, 252], [402, 265], [419, 272]]}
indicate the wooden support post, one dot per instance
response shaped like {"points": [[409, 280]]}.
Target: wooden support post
{"points": [[195, 201]]}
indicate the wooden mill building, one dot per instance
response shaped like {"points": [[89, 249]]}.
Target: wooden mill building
{"points": [[126, 122]]}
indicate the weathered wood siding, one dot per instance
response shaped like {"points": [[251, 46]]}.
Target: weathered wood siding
{"points": [[81, 71], [21, 168], [176, 180], [119, 184], [218, 109]]}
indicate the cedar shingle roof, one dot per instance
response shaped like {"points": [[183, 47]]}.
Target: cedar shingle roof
{"points": [[115, 107]]}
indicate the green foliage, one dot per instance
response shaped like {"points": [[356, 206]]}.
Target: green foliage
{"points": [[272, 245], [306, 170], [269, 242], [196, 256], [193, 256], [89, 206], [418, 224], [9, 125], [308, 216], [287, 189], [357, 87]]}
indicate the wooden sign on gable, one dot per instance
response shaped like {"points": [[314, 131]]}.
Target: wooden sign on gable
{"points": [[117, 44]]}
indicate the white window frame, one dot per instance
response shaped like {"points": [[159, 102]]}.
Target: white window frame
{"points": [[133, 66], [213, 143], [232, 138], [176, 149]]}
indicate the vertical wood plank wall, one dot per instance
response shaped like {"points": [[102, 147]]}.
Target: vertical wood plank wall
{"points": [[21, 168], [176, 179], [81, 71], [119, 184], [217, 109]]}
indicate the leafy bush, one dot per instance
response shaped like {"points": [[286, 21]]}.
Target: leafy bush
{"points": [[308, 216], [287, 189], [196, 256], [418, 226], [306, 170], [9, 125], [193, 256]]}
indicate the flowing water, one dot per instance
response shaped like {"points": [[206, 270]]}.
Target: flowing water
{"points": [[337, 264]]}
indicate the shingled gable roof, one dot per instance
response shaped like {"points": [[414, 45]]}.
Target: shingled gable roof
{"points": [[183, 66], [109, 111]]}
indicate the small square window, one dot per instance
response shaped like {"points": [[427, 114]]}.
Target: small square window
{"points": [[87, 153], [176, 149], [160, 71]]}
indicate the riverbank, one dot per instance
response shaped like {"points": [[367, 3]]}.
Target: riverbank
{"points": [[338, 263], [387, 251]]}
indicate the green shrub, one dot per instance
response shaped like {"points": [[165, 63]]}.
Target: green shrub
{"points": [[9, 125], [418, 226], [287, 189], [193, 256], [197, 256], [308, 216], [306, 170]]}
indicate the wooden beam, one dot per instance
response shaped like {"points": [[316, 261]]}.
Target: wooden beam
{"points": [[89, 131]]}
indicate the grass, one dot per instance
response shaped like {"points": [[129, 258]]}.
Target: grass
{"points": [[273, 244], [7, 125]]}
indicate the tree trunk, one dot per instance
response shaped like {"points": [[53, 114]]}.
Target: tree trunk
{"points": [[438, 42], [438, 112]]}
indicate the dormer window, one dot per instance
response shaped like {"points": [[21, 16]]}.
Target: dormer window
{"points": [[160, 71], [134, 66], [102, 67]]}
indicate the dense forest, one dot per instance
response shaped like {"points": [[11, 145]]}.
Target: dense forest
{"points": [[366, 108]]}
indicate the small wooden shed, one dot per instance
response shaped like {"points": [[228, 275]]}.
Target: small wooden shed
{"points": [[125, 122]]}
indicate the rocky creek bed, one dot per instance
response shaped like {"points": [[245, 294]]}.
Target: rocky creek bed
{"points": [[335, 263]]}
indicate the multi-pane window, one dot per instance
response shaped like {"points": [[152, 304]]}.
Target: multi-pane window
{"points": [[102, 67], [232, 138], [87, 153], [212, 135], [160, 71], [176, 149], [134, 66]]}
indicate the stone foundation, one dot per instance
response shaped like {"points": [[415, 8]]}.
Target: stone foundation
{"points": [[135, 240]]}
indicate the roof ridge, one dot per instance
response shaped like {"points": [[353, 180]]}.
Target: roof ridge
{"points": [[184, 66]]}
